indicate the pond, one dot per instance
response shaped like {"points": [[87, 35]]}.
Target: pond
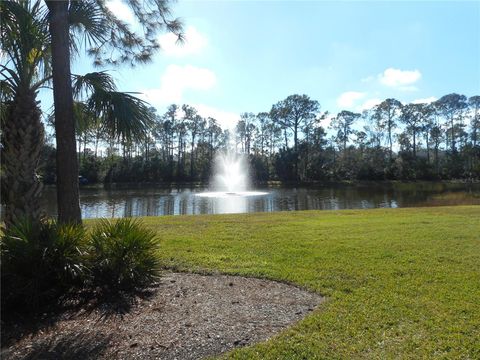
{"points": [[157, 201]]}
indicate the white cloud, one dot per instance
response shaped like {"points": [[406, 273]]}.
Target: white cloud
{"points": [[226, 119], [176, 79], [425, 100], [193, 44], [401, 79], [348, 99], [368, 104], [120, 10]]}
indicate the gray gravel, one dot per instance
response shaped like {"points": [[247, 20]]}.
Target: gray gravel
{"points": [[189, 316]]}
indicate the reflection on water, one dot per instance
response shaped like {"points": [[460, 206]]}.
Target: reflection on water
{"points": [[153, 201], [230, 205]]}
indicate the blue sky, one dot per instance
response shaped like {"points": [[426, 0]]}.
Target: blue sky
{"points": [[244, 56]]}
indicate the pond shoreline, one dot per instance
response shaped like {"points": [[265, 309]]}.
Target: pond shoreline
{"points": [[274, 184]]}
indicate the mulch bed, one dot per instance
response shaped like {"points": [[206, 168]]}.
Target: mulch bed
{"points": [[187, 316]]}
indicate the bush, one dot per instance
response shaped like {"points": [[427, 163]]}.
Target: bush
{"points": [[42, 262], [123, 255], [39, 262]]}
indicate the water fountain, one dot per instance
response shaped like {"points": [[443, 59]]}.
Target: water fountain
{"points": [[230, 178]]}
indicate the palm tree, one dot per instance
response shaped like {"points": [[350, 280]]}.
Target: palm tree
{"points": [[108, 40], [25, 41], [28, 34], [26, 44]]}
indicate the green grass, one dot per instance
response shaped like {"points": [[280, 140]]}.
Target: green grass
{"points": [[401, 283]]}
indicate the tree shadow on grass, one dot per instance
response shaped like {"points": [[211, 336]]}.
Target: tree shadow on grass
{"points": [[74, 346]]}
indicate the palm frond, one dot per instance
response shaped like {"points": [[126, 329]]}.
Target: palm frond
{"points": [[25, 41], [123, 116], [92, 82], [88, 25]]}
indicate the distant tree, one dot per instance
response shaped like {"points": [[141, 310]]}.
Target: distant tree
{"points": [[195, 123], [436, 135], [387, 113], [213, 134], [245, 131], [171, 121], [274, 139], [361, 141], [342, 124], [474, 104], [427, 118], [181, 131], [263, 121], [241, 134], [374, 128], [292, 113], [274, 114], [411, 116], [451, 107]]}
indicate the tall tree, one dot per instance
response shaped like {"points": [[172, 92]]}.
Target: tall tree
{"points": [[388, 112], [110, 41], [292, 112], [436, 135], [411, 116], [451, 106], [195, 123], [427, 118], [170, 121], [474, 103], [375, 127], [245, 130], [342, 123], [67, 168], [214, 132], [263, 119], [25, 43]]}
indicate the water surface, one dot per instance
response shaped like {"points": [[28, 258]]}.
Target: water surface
{"points": [[157, 201]]}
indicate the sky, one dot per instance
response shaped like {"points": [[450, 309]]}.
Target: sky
{"points": [[244, 56]]}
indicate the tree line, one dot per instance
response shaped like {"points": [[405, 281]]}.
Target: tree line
{"points": [[390, 141], [39, 39]]}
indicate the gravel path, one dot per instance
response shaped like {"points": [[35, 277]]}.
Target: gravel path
{"points": [[189, 316]]}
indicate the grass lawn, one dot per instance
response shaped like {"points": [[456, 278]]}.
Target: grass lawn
{"points": [[401, 283]]}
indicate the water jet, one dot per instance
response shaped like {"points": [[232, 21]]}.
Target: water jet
{"points": [[231, 178]]}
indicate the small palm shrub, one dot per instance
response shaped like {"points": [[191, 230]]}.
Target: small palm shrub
{"points": [[40, 261], [123, 255]]}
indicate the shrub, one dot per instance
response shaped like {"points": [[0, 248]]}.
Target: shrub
{"points": [[123, 255], [39, 262]]}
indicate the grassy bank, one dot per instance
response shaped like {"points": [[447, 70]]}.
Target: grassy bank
{"points": [[402, 283]]}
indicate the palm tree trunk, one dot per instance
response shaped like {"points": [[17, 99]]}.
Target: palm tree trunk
{"points": [[22, 140], [68, 198]]}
